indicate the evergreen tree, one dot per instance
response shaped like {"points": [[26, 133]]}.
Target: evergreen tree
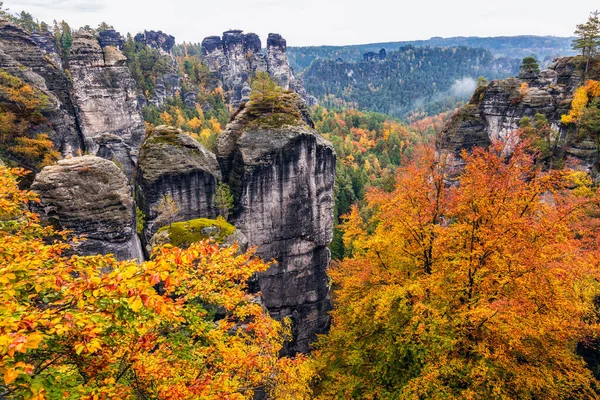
{"points": [[224, 199], [588, 38], [264, 89], [530, 65], [104, 27]]}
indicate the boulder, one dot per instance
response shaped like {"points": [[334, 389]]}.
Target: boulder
{"points": [[90, 196]]}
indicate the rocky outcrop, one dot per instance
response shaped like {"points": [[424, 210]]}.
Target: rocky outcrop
{"points": [[156, 40], [90, 196], [110, 38], [494, 111], [235, 57], [172, 163], [282, 173], [171, 83], [104, 94], [34, 59]]}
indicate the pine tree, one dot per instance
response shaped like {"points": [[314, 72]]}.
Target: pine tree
{"points": [[530, 65], [588, 38]]}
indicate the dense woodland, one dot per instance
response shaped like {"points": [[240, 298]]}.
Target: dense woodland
{"points": [[411, 79], [517, 47], [486, 288]]}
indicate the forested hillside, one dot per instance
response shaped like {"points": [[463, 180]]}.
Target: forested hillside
{"points": [[543, 48], [411, 79], [183, 222]]}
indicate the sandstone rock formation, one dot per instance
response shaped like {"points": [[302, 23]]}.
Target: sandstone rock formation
{"points": [[172, 163], [90, 196], [495, 111], [282, 177], [235, 57], [104, 94], [34, 59], [171, 83], [110, 38]]}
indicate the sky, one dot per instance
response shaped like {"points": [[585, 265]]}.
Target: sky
{"points": [[319, 22]]}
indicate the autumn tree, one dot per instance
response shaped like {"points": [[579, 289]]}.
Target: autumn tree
{"points": [[478, 290], [166, 211], [21, 118], [264, 89], [180, 326]]}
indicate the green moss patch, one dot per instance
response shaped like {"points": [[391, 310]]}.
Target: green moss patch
{"points": [[182, 234], [275, 113]]}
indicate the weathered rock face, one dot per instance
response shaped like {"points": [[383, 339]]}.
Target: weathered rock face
{"points": [[34, 58], [282, 179], [495, 111], [157, 40], [234, 58], [279, 68], [110, 38], [104, 94], [172, 163], [90, 196], [169, 84]]}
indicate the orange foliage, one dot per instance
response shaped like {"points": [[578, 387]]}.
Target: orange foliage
{"points": [[96, 328], [475, 291]]}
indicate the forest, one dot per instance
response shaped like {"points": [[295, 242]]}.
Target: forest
{"points": [[412, 79], [456, 273]]}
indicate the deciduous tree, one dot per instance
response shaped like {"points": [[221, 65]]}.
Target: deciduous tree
{"points": [[180, 326], [478, 291]]}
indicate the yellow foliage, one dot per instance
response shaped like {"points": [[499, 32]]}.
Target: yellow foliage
{"points": [[166, 118], [195, 124], [524, 89], [583, 95], [70, 330]]}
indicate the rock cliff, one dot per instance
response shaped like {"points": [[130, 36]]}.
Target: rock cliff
{"points": [[235, 57], [495, 110], [172, 163], [282, 174], [34, 59], [171, 83], [104, 94], [90, 196]]}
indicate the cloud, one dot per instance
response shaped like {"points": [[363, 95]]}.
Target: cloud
{"points": [[463, 87], [70, 5]]}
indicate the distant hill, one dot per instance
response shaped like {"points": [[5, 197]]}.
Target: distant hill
{"points": [[423, 79], [544, 48]]}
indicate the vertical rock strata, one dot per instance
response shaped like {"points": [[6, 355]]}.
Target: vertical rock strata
{"points": [[282, 178], [171, 83], [494, 111], [34, 59], [235, 57], [104, 94], [172, 163], [90, 196]]}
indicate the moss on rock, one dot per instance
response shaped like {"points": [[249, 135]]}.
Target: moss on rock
{"points": [[182, 234]]}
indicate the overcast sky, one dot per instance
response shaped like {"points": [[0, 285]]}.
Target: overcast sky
{"points": [[320, 22]]}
